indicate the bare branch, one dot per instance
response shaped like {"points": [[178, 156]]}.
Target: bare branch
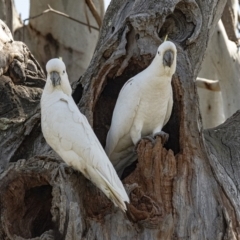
{"points": [[94, 12], [86, 15], [50, 9]]}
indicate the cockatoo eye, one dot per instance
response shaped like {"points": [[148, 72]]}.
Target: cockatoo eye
{"points": [[158, 53], [63, 71]]}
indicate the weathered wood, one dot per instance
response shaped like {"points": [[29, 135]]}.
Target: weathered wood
{"points": [[222, 143], [37, 200], [42, 196], [153, 191], [181, 190], [127, 44], [21, 83]]}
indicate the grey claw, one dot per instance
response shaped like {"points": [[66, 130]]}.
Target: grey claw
{"points": [[164, 136], [149, 138]]}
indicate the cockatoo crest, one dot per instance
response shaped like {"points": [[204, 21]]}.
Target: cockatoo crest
{"points": [[57, 77]]}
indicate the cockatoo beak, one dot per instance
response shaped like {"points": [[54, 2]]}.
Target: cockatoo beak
{"points": [[168, 58], [55, 77]]}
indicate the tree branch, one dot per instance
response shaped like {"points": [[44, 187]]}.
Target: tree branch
{"points": [[86, 15], [50, 9], [94, 12]]}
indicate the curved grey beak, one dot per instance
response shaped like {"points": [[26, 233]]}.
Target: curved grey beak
{"points": [[168, 58], [55, 77]]}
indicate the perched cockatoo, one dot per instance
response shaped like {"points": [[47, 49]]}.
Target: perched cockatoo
{"points": [[68, 132], [143, 107]]}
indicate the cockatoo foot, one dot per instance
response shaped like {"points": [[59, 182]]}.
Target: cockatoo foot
{"points": [[150, 138], [164, 136]]}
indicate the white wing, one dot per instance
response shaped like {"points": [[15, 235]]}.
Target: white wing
{"points": [[123, 116], [80, 148], [169, 109]]}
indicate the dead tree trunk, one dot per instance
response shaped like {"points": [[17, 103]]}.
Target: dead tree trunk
{"points": [[187, 189], [51, 35]]}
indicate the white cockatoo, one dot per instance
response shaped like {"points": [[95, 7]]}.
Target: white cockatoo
{"points": [[143, 107], [68, 132]]}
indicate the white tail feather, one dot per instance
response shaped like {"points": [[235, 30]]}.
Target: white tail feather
{"points": [[115, 196]]}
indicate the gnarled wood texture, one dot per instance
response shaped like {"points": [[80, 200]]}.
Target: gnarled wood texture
{"points": [[183, 190], [21, 83]]}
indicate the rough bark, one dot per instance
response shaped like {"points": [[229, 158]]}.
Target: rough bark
{"points": [[21, 83], [183, 190], [222, 144]]}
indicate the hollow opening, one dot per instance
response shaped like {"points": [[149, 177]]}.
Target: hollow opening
{"points": [[26, 210], [104, 107], [173, 125], [77, 93], [176, 26], [38, 201]]}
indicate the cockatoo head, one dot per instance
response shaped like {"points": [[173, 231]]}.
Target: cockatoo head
{"points": [[166, 58], [57, 77]]}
